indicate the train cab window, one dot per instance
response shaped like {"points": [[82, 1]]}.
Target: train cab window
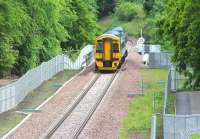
{"points": [[115, 48], [99, 47]]}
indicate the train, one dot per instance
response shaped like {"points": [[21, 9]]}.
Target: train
{"points": [[110, 50]]}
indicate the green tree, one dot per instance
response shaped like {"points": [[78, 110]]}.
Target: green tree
{"points": [[33, 31], [84, 27], [127, 11], [181, 25], [105, 7], [13, 21], [148, 5]]}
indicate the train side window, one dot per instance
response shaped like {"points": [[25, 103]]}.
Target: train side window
{"points": [[115, 48], [99, 47]]}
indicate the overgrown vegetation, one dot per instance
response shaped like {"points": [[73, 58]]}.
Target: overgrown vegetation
{"points": [[179, 27], [11, 118], [127, 11], [33, 31], [171, 103], [134, 15], [195, 136], [106, 7], [148, 5], [137, 123], [173, 24]]}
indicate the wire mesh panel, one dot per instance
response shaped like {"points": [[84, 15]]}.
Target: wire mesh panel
{"points": [[180, 126], [159, 60], [177, 126], [14, 93]]}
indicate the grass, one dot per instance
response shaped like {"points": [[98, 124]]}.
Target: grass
{"points": [[171, 103], [133, 27], [10, 119], [195, 136], [137, 123]]}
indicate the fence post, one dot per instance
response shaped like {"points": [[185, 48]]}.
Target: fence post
{"points": [[33, 78], [153, 127]]}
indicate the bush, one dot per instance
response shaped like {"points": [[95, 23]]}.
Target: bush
{"points": [[105, 7], [148, 5], [127, 11], [33, 31]]}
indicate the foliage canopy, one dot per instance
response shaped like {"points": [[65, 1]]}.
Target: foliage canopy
{"points": [[33, 31], [180, 27]]}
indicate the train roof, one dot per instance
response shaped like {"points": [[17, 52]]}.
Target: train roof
{"points": [[118, 31]]}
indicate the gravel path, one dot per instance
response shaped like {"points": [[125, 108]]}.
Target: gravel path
{"points": [[105, 122], [37, 124], [79, 114]]}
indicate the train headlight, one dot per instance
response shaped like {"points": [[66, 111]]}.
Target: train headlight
{"points": [[115, 64], [99, 63]]}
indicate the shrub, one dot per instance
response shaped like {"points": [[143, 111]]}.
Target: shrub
{"points": [[127, 11], [148, 5]]}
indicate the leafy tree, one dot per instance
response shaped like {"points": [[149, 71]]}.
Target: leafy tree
{"points": [[127, 11], [105, 7], [12, 23], [181, 25], [7, 59], [33, 31], [148, 5], [42, 35], [84, 27]]}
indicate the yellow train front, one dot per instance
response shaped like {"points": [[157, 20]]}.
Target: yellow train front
{"points": [[110, 50]]}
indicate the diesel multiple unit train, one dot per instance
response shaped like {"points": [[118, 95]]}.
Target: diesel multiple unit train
{"points": [[110, 50]]}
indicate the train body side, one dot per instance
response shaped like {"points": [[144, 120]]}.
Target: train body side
{"points": [[110, 50]]}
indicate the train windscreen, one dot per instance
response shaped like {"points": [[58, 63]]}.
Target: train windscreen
{"points": [[115, 48], [99, 47]]}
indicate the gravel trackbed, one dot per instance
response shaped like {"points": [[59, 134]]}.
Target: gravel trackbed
{"points": [[39, 122]]}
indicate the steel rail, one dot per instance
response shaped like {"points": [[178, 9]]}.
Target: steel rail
{"points": [[70, 110], [91, 112], [76, 103], [84, 123]]}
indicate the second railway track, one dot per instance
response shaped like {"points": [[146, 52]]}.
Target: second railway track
{"points": [[76, 117]]}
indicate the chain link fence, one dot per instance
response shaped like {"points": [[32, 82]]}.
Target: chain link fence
{"points": [[11, 95], [177, 126], [174, 126], [159, 60]]}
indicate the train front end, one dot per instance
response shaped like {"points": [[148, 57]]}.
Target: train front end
{"points": [[107, 53]]}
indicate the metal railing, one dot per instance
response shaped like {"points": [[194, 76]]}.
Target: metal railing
{"points": [[11, 95], [153, 127], [177, 126], [159, 60]]}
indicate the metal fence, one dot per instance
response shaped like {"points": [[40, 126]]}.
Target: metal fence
{"points": [[159, 60], [174, 126], [12, 94], [180, 126], [177, 126], [153, 127]]}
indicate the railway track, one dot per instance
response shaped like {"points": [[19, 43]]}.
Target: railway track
{"points": [[76, 117]]}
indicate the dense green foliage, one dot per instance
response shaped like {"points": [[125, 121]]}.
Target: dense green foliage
{"points": [[127, 11], [106, 7], [33, 31], [179, 26], [148, 5]]}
